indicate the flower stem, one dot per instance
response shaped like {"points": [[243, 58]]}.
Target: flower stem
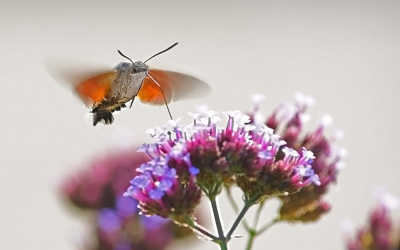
{"points": [[199, 229], [205, 233], [260, 206], [254, 232], [250, 241], [246, 207], [222, 242], [236, 208], [268, 225]]}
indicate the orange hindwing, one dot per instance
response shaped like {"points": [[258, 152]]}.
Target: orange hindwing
{"points": [[150, 93], [96, 88]]}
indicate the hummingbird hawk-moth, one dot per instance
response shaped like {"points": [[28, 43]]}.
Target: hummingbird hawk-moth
{"points": [[109, 91]]}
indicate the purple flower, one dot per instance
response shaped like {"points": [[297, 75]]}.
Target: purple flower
{"points": [[126, 206], [103, 180], [201, 157], [319, 161], [109, 220], [119, 226], [380, 233]]}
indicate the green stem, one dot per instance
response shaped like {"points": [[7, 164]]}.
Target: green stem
{"points": [[199, 229], [236, 208], [223, 245], [258, 214], [222, 242], [251, 240], [268, 225], [231, 200], [242, 213], [205, 233], [254, 232]]}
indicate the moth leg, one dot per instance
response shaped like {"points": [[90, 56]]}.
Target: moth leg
{"points": [[130, 106]]}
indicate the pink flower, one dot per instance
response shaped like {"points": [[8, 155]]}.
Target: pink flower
{"points": [[380, 233], [201, 157], [99, 188], [323, 157]]}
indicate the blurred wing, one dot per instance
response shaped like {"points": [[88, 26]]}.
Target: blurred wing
{"points": [[150, 93], [89, 80], [175, 86], [96, 88]]}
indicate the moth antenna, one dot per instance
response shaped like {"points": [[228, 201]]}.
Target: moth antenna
{"points": [[170, 47], [122, 54], [162, 92]]}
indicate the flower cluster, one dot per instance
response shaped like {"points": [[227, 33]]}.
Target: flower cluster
{"points": [[288, 120], [201, 157], [122, 228], [380, 233], [118, 225], [99, 185]]}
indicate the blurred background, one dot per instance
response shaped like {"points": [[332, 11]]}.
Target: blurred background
{"points": [[346, 54]]}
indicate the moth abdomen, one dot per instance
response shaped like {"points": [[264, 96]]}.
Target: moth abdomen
{"points": [[104, 116]]}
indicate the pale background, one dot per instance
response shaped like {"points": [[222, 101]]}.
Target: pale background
{"points": [[344, 53]]}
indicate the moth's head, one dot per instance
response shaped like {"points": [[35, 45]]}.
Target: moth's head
{"points": [[140, 67], [133, 68]]}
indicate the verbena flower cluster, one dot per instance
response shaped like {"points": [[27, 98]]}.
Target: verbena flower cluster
{"points": [[380, 232], [264, 157], [200, 157], [288, 121], [99, 187]]}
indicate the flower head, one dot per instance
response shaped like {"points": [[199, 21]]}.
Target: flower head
{"points": [[101, 183], [380, 232], [320, 158], [201, 157], [99, 188]]}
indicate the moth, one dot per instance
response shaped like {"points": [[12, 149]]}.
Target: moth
{"points": [[109, 91]]}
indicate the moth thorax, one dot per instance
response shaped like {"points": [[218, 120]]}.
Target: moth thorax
{"points": [[123, 66]]}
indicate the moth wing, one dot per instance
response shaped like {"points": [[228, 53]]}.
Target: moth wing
{"points": [[90, 81], [150, 93], [94, 89], [175, 87]]}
